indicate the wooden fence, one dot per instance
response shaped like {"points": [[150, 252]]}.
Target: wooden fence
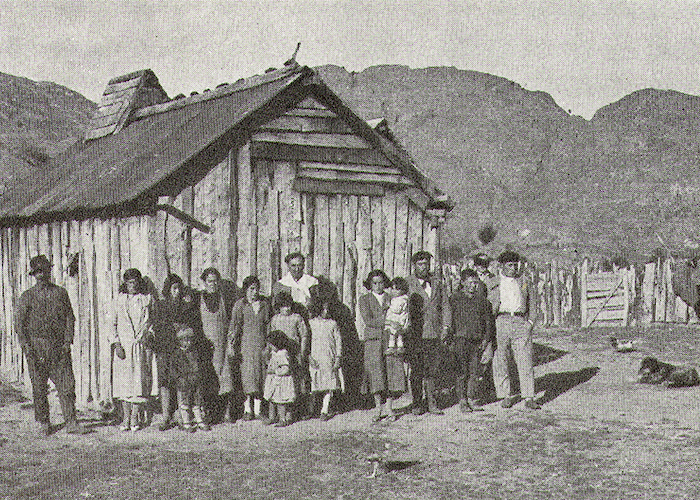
{"points": [[590, 294]]}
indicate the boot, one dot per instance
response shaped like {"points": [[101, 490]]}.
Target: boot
{"points": [[430, 393], [68, 410]]}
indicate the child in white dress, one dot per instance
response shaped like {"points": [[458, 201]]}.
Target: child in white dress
{"points": [[396, 321], [279, 382]]}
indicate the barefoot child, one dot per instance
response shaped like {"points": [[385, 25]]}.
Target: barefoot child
{"points": [[397, 316], [279, 384], [324, 360], [187, 376]]}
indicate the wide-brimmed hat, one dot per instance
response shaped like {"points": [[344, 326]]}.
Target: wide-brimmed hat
{"points": [[509, 256], [39, 263]]}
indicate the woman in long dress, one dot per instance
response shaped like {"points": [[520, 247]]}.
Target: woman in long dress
{"points": [[132, 367], [215, 317], [385, 375], [250, 321]]}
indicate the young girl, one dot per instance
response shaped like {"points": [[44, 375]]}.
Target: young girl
{"points": [[279, 384], [186, 372], [133, 377], [324, 359], [397, 316], [295, 328]]}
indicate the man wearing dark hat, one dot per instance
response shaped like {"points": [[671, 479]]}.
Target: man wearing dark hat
{"points": [[45, 330], [515, 316], [429, 324]]}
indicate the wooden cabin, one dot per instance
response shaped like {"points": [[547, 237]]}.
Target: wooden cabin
{"points": [[235, 178]]}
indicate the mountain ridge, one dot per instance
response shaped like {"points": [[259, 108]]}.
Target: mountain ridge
{"points": [[552, 184]]}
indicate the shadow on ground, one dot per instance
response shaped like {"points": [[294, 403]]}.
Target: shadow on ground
{"points": [[555, 384], [542, 354]]}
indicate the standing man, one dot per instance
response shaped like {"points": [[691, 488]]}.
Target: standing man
{"points": [[489, 281], [429, 325], [515, 317], [44, 327]]}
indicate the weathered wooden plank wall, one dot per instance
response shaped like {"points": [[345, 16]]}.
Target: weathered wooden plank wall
{"points": [[356, 214]]}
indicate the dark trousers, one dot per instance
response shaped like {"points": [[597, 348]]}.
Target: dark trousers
{"points": [[48, 361], [424, 357], [468, 355]]}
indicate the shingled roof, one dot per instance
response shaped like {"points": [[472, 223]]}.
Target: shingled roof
{"points": [[133, 156]]}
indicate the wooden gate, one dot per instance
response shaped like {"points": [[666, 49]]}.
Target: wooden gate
{"points": [[606, 297]]}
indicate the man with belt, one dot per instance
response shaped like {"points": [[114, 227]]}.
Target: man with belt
{"points": [[514, 321], [430, 320], [45, 330]]}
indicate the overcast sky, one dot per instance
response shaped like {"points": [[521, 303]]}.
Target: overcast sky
{"points": [[585, 54]]}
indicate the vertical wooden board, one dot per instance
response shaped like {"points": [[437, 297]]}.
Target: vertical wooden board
{"points": [[12, 354], [92, 308], [294, 228], [335, 256], [670, 295], [5, 354], [103, 262], [549, 317], [32, 241], [156, 268], [401, 258], [245, 195], [648, 296], [174, 241], [433, 244], [660, 293], [124, 247], [87, 313], [350, 254], [389, 219], [186, 259], [56, 253], [44, 240], [584, 292], [263, 188], [556, 294], [426, 232], [681, 313], [65, 248], [223, 221], [115, 270], [322, 236], [364, 251], [231, 190], [377, 232], [275, 233], [307, 230], [415, 232]]}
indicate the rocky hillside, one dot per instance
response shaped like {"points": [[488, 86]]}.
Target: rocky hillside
{"points": [[550, 183], [621, 184], [37, 121]]}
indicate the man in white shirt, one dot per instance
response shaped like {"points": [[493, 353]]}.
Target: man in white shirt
{"points": [[296, 282], [514, 321]]}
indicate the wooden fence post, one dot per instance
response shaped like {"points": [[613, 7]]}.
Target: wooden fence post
{"points": [[584, 289]]}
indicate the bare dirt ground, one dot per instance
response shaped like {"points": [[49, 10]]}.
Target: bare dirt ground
{"points": [[599, 436]]}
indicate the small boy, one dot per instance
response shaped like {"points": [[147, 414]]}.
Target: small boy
{"points": [[186, 372], [471, 335], [396, 321]]}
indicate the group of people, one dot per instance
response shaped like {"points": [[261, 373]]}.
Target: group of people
{"points": [[221, 351]]}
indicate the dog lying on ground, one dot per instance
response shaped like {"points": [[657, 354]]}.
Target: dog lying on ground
{"points": [[653, 371]]}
